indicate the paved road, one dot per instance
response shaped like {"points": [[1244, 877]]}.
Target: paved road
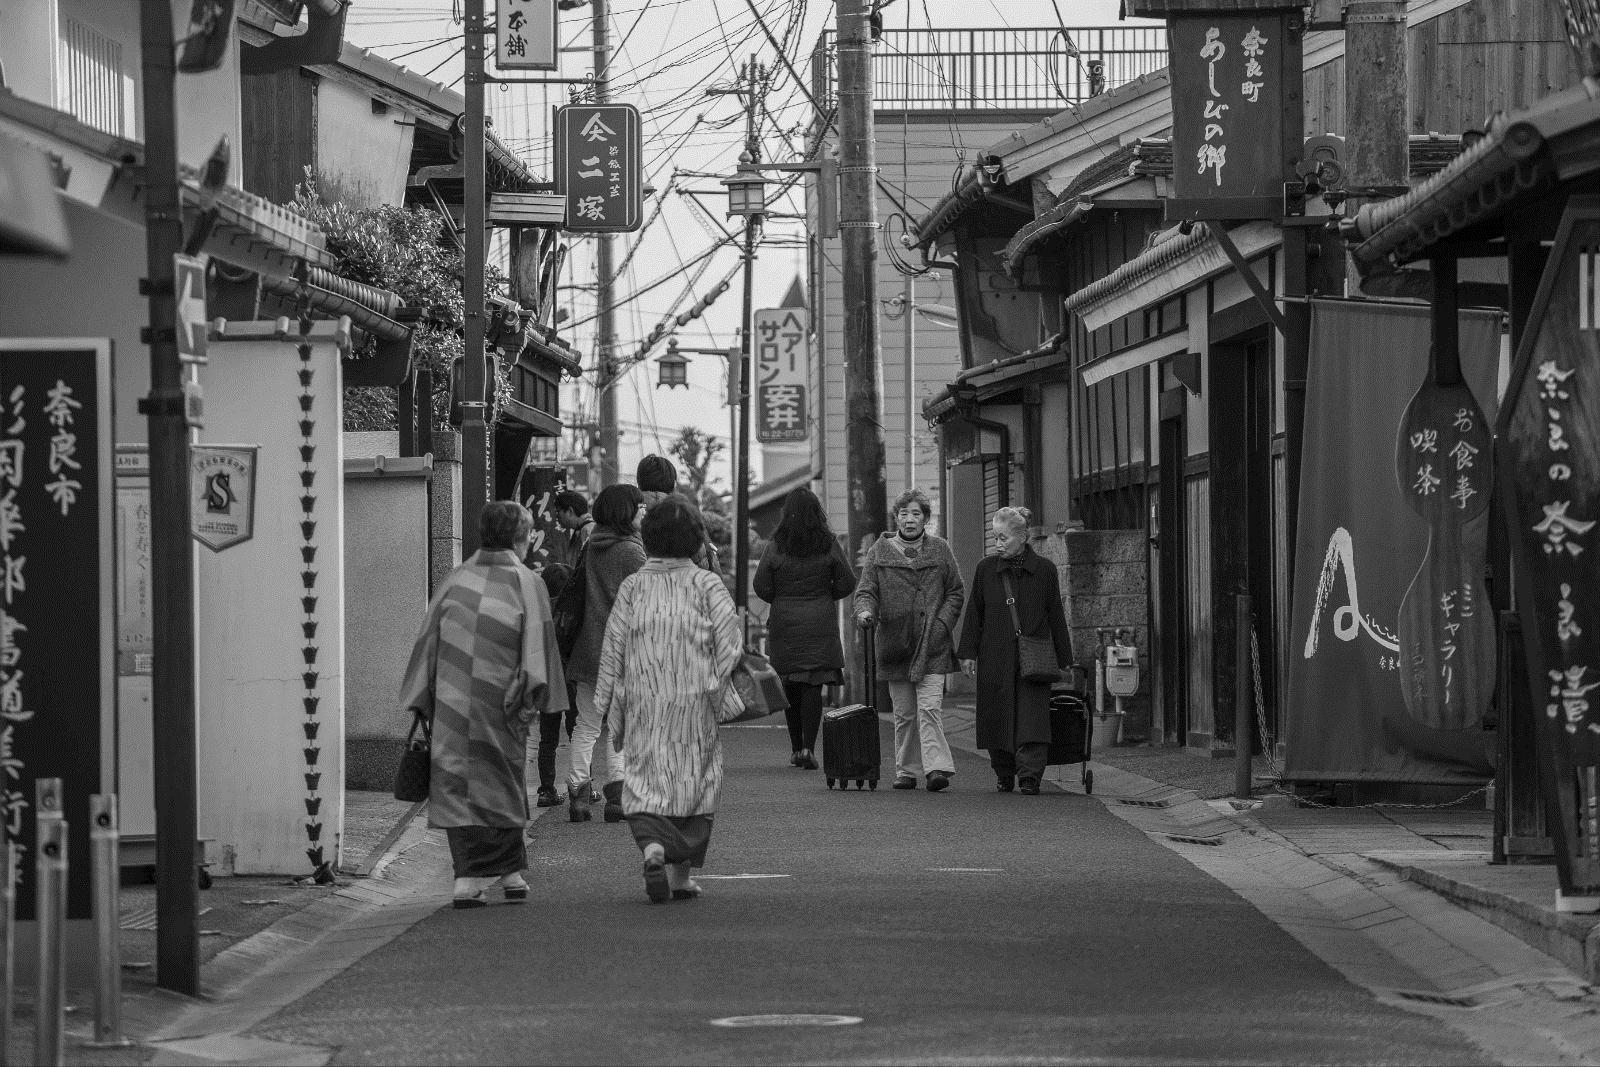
{"points": [[1086, 942]]}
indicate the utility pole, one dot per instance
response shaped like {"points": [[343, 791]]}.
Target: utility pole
{"points": [[858, 223], [171, 551], [605, 309], [1376, 146], [474, 430], [741, 474]]}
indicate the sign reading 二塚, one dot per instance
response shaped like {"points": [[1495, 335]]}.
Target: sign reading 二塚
{"points": [[56, 595], [1227, 126], [525, 35], [781, 372], [222, 494], [600, 167]]}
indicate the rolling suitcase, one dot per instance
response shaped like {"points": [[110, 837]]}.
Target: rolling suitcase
{"points": [[850, 749]]}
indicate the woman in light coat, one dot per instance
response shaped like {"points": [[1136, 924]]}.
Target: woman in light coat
{"points": [[911, 591], [665, 682]]}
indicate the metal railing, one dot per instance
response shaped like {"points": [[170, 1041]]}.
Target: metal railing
{"points": [[92, 86], [998, 69]]}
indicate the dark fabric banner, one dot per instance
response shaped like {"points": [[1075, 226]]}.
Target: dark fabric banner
{"points": [[1381, 584]]}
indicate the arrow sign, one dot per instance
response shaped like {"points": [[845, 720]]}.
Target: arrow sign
{"points": [[189, 276]]}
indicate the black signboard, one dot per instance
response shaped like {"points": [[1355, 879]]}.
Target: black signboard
{"points": [[1550, 488], [550, 544], [1228, 99], [56, 620], [600, 167]]}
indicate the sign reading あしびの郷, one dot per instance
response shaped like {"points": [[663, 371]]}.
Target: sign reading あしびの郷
{"points": [[222, 494], [1227, 122], [600, 167], [525, 35], [782, 374], [56, 634]]}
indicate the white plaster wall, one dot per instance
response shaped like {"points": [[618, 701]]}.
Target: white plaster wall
{"points": [[361, 157], [25, 28], [253, 747]]}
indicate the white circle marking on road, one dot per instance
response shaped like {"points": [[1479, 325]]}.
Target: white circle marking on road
{"points": [[740, 1022]]}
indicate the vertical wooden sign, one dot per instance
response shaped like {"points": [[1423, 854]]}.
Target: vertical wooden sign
{"points": [[1550, 489], [56, 620]]}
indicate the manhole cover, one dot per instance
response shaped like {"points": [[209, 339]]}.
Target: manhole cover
{"points": [[745, 1021]]}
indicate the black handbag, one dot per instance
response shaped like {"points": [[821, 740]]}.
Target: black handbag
{"points": [[1036, 657], [416, 763], [567, 612], [758, 687]]}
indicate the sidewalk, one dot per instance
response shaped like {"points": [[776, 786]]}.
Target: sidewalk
{"points": [[1444, 850]]}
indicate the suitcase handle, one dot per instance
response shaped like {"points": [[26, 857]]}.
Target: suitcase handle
{"points": [[869, 645]]}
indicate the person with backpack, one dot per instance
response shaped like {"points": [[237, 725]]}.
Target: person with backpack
{"points": [[614, 552], [803, 573]]}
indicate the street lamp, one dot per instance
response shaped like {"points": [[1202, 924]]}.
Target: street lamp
{"points": [[674, 367], [747, 189]]}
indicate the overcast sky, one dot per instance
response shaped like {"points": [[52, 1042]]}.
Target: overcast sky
{"points": [[668, 52]]}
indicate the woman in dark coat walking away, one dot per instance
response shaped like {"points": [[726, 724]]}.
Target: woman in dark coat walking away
{"points": [[1013, 714], [802, 574]]}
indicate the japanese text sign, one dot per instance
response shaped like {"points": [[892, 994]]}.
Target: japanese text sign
{"points": [[600, 167], [56, 637], [525, 35], [1227, 121], [1549, 471], [781, 373]]}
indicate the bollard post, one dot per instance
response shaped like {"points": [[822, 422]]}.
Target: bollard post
{"points": [[1241, 695], [8, 941], [104, 840], [51, 907]]}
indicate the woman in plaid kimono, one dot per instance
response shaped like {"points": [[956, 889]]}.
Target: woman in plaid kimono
{"points": [[484, 664], [665, 670]]}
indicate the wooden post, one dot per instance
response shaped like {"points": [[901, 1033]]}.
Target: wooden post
{"points": [[858, 226], [1376, 144], [171, 551], [474, 431], [605, 305]]}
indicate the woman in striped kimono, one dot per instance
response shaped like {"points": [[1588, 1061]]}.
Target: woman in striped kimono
{"points": [[666, 670], [484, 664]]}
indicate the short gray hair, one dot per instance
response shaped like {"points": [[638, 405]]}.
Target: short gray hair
{"points": [[1016, 519], [913, 496]]}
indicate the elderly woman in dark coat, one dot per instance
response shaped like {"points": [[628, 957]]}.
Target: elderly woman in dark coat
{"points": [[1013, 714], [802, 574]]}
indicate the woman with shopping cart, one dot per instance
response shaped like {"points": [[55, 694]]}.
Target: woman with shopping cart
{"points": [[1015, 595]]}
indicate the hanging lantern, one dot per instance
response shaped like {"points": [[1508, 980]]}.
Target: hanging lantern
{"points": [[674, 368], [747, 189]]}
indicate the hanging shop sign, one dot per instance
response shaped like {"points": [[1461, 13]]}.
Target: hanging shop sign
{"points": [[525, 35], [600, 167], [1229, 95], [222, 494], [57, 650], [1549, 472], [538, 489], [782, 373]]}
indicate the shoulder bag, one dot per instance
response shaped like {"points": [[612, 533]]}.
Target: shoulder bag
{"points": [[758, 687], [1036, 656], [567, 612], [416, 762]]}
